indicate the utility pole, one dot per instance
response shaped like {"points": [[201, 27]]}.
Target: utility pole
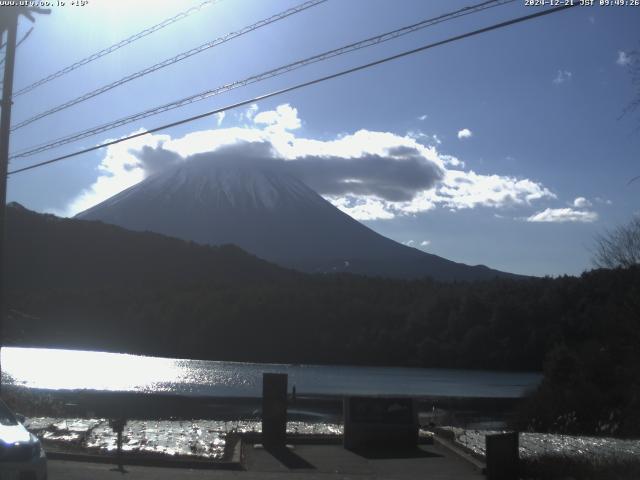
{"points": [[9, 23]]}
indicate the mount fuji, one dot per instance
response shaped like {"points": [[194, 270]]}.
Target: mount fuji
{"points": [[258, 206]]}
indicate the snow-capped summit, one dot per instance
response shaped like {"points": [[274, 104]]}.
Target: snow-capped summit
{"points": [[266, 211], [221, 185]]}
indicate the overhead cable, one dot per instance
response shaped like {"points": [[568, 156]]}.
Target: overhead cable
{"points": [[260, 77], [116, 46], [301, 85], [171, 61]]}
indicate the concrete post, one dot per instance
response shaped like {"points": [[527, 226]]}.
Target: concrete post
{"points": [[503, 459], [274, 409]]}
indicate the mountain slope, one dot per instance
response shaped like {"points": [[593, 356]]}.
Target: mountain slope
{"points": [[265, 211], [45, 251]]}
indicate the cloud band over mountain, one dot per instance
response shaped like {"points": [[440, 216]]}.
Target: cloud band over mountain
{"points": [[367, 174]]}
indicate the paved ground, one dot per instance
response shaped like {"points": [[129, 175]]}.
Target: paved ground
{"points": [[302, 462], [64, 470]]}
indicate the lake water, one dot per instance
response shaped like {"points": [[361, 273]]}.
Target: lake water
{"points": [[72, 369]]}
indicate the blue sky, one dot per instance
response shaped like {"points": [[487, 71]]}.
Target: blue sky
{"points": [[521, 124]]}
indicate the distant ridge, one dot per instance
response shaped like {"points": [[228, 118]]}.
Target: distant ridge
{"points": [[45, 251], [256, 205]]}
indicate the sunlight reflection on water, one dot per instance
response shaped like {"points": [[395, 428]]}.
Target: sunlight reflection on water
{"points": [[72, 369], [69, 369]]}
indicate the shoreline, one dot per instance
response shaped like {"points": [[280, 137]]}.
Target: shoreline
{"points": [[162, 405]]}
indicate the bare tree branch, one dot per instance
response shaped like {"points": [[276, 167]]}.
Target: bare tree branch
{"points": [[620, 247]]}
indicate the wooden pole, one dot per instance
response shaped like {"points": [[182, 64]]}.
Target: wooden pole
{"points": [[10, 25]]}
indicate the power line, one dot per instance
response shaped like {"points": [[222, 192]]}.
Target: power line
{"points": [[116, 46], [260, 77], [24, 37], [171, 61], [302, 85]]}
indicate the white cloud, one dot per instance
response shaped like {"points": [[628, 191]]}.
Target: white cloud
{"points": [[451, 161], [368, 175], [418, 135], [251, 111], [581, 202], [119, 170], [284, 117], [219, 118], [623, 59], [413, 243], [422, 118], [467, 189], [562, 76], [560, 215], [458, 190], [424, 138], [364, 208], [465, 133]]}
